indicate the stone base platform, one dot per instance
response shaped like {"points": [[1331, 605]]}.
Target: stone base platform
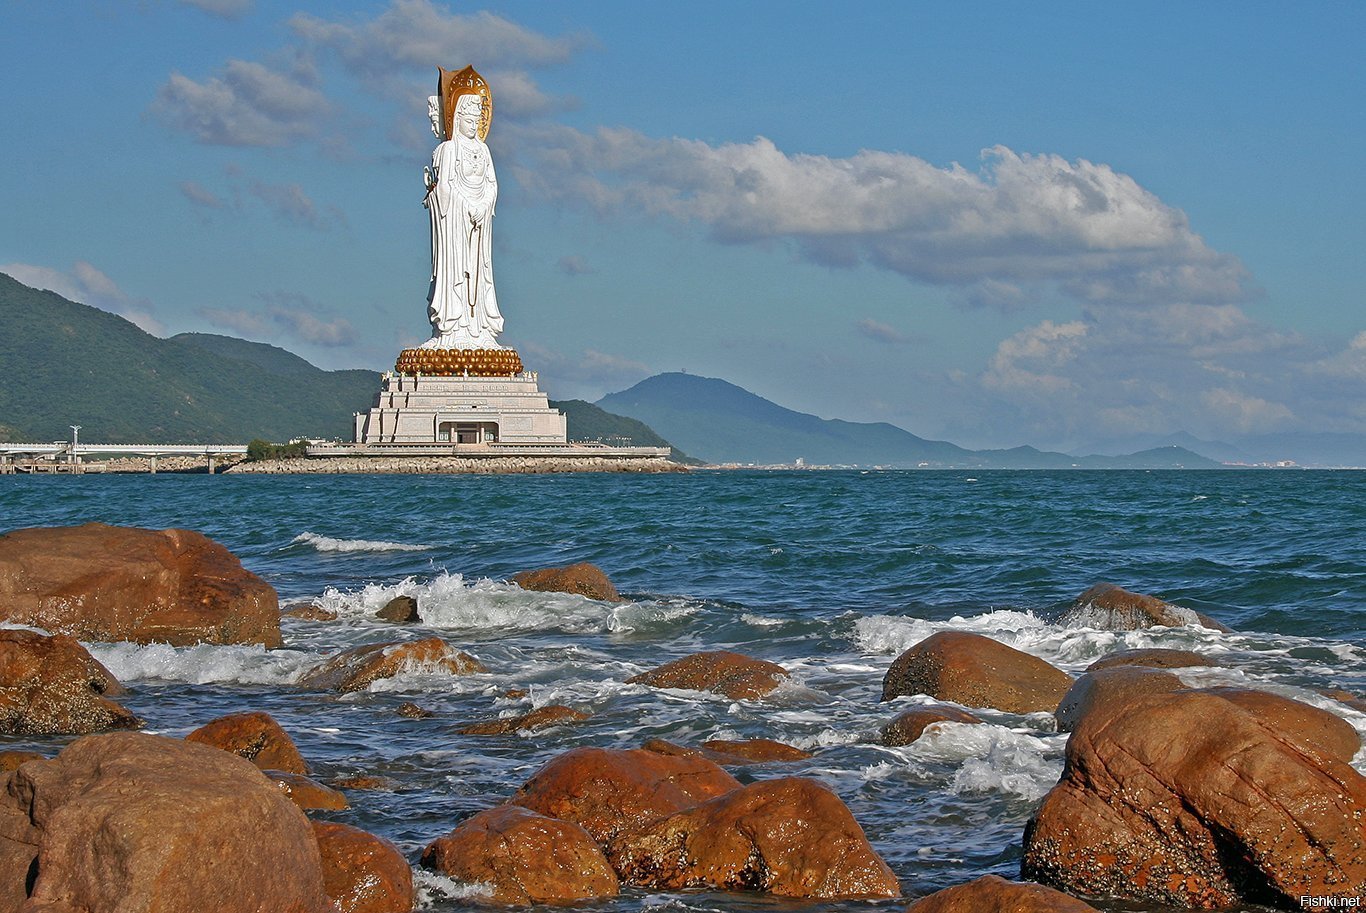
{"points": [[448, 409]]}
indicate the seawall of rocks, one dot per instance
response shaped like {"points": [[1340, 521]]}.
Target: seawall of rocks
{"points": [[415, 465]]}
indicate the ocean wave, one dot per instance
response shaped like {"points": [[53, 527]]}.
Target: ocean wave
{"points": [[431, 889], [201, 664], [328, 544]]}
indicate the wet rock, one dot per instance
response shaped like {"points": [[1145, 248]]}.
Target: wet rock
{"points": [[525, 857], [1154, 658], [583, 578], [1188, 799], [254, 736], [540, 718], [356, 669], [138, 822], [791, 837], [309, 612], [976, 671], [1115, 685], [98, 582], [516, 693], [11, 760], [51, 685], [400, 610], [734, 675], [910, 725], [605, 791], [412, 711], [1314, 728], [306, 793], [365, 781], [362, 872], [1355, 701], [1113, 608], [755, 751], [993, 894]]}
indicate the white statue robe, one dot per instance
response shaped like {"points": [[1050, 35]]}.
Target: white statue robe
{"points": [[461, 302]]}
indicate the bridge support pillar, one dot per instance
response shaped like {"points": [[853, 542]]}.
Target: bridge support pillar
{"points": [[211, 464], [154, 464]]}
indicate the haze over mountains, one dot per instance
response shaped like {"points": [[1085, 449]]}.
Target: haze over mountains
{"points": [[67, 363]]}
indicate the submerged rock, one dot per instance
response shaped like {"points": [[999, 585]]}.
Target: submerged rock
{"points": [[583, 578], [910, 725], [791, 837], [98, 582], [306, 793], [731, 753], [606, 792], [356, 669], [976, 671], [524, 857], [400, 610], [255, 736], [540, 718], [734, 675], [412, 711], [307, 611], [1113, 608], [139, 822], [366, 781], [993, 894], [1355, 701], [1153, 658], [363, 873], [51, 685], [1189, 799]]}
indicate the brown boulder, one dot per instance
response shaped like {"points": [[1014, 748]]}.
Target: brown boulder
{"points": [[363, 873], [524, 857], [51, 685], [1113, 608], [1315, 728], [98, 582], [910, 725], [130, 821], [606, 792], [1188, 799], [366, 781], [583, 578], [307, 611], [754, 751], [1107, 687], [993, 894], [255, 736], [412, 711], [540, 718], [12, 760], [1354, 701], [306, 793], [1153, 658], [356, 669], [400, 610], [976, 671], [734, 675], [792, 837]]}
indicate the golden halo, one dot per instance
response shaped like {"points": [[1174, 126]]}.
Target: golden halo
{"points": [[450, 86]]}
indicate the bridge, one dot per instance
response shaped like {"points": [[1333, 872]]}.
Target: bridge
{"points": [[64, 456]]}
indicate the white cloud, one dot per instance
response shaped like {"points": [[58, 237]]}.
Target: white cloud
{"points": [[286, 313], [87, 285], [587, 376], [1031, 363], [241, 321], [291, 204], [247, 104], [224, 9], [882, 332], [199, 195]]}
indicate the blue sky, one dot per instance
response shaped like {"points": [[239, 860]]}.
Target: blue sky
{"points": [[999, 223]]}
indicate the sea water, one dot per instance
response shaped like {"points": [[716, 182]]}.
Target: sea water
{"points": [[831, 574]]}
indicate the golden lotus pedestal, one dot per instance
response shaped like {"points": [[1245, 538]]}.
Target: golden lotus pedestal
{"points": [[459, 362]]}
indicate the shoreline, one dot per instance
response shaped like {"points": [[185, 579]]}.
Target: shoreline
{"points": [[452, 465]]}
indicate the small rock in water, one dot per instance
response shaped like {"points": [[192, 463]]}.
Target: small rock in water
{"points": [[1355, 701], [356, 669], [540, 718], [525, 857], [993, 894], [583, 578], [976, 671], [516, 693], [51, 685], [791, 837], [309, 611], [909, 726], [734, 675], [306, 793], [363, 873], [364, 781], [412, 711], [400, 610], [1113, 608], [255, 736], [1153, 658]]}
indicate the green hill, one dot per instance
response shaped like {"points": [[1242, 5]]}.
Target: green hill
{"points": [[588, 422]]}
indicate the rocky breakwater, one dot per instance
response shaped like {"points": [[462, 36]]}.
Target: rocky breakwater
{"points": [[418, 465], [109, 583], [1202, 798]]}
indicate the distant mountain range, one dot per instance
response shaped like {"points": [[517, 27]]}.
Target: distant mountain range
{"points": [[722, 423]]}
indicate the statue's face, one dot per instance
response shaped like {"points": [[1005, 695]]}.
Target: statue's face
{"points": [[467, 117]]}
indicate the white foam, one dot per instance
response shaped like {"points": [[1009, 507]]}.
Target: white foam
{"points": [[992, 759], [328, 544], [201, 664], [760, 621], [430, 889]]}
